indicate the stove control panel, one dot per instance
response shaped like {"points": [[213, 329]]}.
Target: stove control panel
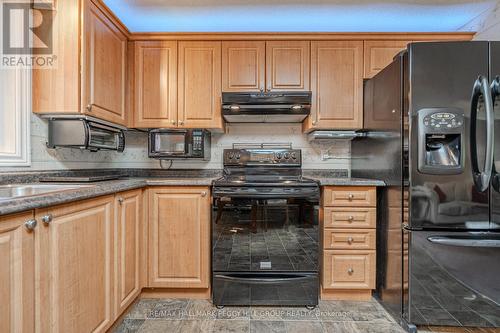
{"points": [[268, 157]]}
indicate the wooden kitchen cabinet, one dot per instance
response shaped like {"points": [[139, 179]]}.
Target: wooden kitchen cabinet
{"points": [[155, 84], [243, 66], [199, 85], [127, 230], [179, 237], [89, 76], [336, 85], [105, 60], [288, 65], [17, 274], [349, 222], [74, 256], [380, 53]]}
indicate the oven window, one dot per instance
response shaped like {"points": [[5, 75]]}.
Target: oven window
{"points": [[103, 138], [265, 235], [170, 143]]}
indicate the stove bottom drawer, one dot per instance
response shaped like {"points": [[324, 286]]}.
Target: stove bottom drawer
{"points": [[288, 289]]}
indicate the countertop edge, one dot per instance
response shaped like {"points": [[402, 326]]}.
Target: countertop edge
{"points": [[115, 186]]}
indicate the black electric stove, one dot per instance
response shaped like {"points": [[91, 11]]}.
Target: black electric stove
{"points": [[265, 230]]}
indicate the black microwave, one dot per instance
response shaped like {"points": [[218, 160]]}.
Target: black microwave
{"points": [[179, 144]]}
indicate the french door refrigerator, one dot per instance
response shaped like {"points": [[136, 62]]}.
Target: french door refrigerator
{"points": [[439, 232]]}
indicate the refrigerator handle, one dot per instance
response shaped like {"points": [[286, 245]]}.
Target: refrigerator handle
{"points": [[482, 178], [495, 92], [464, 241]]}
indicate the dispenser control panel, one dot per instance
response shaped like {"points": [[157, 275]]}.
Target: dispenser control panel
{"points": [[441, 134], [443, 120]]}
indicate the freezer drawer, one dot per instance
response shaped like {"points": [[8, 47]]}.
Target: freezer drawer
{"points": [[454, 279], [301, 289]]}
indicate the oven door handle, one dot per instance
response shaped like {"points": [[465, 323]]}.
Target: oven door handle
{"points": [[247, 280], [465, 242]]}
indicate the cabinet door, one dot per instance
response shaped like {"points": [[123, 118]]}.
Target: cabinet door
{"points": [[379, 53], [155, 84], [337, 85], [287, 65], [17, 276], [243, 66], [127, 237], [74, 256], [105, 59], [200, 82], [179, 237]]}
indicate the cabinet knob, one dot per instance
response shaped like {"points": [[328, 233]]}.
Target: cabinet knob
{"points": [[314, 122], [350, 240], [89, 108], [350, 271], [47, 218], [204, 194], [350, 218], [30, 224], [351, 196], [173, 122], [181, 122], [120, 201]]}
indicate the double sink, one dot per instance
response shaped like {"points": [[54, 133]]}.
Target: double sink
{"points": [[8, 192]]}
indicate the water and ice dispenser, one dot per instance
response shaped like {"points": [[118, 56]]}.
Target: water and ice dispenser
{"points": [[441, 141]]}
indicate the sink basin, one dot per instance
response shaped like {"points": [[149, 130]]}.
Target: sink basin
{"points": [[31, 190]]}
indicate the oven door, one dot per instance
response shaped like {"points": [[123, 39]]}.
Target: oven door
{"points": [[265, 235], [174, 143]]}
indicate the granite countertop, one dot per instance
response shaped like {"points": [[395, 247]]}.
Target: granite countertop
{"points": [[346, 181], [115, 186], [94, 190]]}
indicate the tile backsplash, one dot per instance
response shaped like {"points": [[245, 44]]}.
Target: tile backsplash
{"points": [[136, 154]]}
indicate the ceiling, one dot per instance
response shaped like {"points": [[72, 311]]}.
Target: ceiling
{"points": [[297, 15]]}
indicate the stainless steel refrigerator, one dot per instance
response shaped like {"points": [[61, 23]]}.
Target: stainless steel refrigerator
{"points": [[432, 132]]}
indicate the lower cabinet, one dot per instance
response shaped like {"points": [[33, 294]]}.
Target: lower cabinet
{"points": [[74, 260], [128, 230], [348, 216], [17, 273], [179, 237]]}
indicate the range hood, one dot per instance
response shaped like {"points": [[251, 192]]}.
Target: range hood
{"points": [[334, 135], [266, 107]]}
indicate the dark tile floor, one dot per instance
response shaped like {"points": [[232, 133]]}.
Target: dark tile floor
{"points": [[177, 315]]}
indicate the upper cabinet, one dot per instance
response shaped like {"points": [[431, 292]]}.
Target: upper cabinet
{"points": [[199, 80], [379, 53], [287, 65], [105, 60], [90, 75], [243, 66], [155, 84], [337, 85]]}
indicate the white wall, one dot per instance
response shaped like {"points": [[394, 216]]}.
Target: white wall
{"points": [[487, 25], [135, 155]]}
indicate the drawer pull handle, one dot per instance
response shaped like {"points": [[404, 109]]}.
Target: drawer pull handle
{"points": [[350, 218], [350, 271], [351, 196], [350, 240]]}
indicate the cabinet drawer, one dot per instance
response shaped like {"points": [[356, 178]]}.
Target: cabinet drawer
{"points": [[350, 196], [345, 239], [349, 269], [350, 218]]}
